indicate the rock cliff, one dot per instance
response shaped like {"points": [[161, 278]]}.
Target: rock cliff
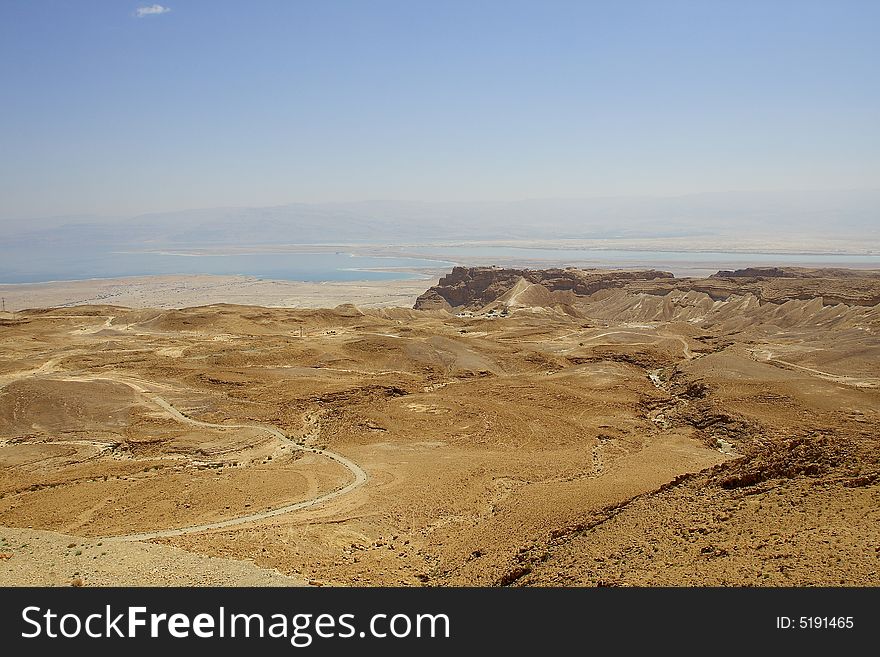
{"points": [[474, 288], [471, 288]]}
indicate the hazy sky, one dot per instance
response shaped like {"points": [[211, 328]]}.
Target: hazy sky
{"points": [[109, 109]]}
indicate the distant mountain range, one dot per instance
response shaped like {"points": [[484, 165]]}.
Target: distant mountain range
{"points": [[852, 214]]}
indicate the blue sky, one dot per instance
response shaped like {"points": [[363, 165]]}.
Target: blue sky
{"points": [[216, 103]]}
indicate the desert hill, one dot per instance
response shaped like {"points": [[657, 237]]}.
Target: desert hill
{"points": [[473, 288], [519, 427]]}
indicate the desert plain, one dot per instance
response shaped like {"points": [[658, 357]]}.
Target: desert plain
{"points": [[514, 428]]}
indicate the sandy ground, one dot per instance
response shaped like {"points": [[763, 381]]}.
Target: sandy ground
{"points": [[185, 291], [635, 438], [39, 558]]}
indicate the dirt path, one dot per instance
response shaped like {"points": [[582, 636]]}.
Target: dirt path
{"points": [[48, 367], [684, 343], [360, 477], [858, 382], [686, 349]]}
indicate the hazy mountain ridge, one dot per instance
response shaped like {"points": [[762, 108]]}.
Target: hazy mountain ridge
{"points": [[853, 213]]}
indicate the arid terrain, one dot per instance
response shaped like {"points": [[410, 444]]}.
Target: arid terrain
{"points": [[517, 427], [182, 291]]}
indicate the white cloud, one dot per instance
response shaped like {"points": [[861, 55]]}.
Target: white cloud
{"points": [[151, 10]]}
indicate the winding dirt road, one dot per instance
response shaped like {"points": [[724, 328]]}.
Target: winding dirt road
{"points": [[360, 477], [658, 336], [858, 382]]}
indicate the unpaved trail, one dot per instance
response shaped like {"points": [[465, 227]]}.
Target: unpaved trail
{"points": [[108, 324], [684, 343], [686, 349], [48, 367], [360, 477], [858, 382]]}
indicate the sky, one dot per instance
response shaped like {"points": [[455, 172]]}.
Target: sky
{"points": [[119, 108]]}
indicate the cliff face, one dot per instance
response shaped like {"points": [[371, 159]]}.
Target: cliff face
{"points": [[779, 285], [470, 288], [797, 272]]}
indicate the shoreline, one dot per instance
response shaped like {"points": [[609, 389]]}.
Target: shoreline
{"points": [[167, 291], [182, 291], [697, 245]]}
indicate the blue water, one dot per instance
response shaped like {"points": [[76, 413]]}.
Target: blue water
{"points": [[707, 260], [38, 266]]}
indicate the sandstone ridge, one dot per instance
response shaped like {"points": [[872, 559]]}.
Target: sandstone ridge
{"points": [[475, 287], [472, 289]]}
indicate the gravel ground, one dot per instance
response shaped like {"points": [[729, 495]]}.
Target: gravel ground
{"points": [[39, 558]]}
